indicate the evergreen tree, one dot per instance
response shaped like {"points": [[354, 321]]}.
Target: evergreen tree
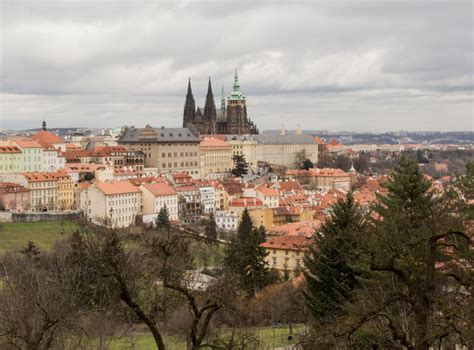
{"points": [[211, 229], [261, 234], [163, 220], [307, 164], [330, 276], [246, 258], [240, 165]]}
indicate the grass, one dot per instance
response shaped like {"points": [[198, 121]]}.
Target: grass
{"points": [[270, 338], [14, 236]]}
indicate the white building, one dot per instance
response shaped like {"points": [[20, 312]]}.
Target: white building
{"points": [[208, 198], [268, 195], [227, 220], [52, 160], [157, 196], [112, 204]]}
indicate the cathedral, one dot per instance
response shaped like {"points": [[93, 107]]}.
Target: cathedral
{"points": [[231, 118]]}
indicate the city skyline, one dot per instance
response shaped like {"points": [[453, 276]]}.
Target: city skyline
{"points": [[346, 66]]}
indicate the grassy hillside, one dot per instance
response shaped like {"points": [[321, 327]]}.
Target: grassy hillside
{"points": [[14, 236]]}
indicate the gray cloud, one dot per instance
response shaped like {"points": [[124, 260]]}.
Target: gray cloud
{"points": [[349, 65]]}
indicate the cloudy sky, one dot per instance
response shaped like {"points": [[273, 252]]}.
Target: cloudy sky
{"points": [[336, 65]]}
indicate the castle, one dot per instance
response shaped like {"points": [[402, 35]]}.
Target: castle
{"points": [[231, 118]]}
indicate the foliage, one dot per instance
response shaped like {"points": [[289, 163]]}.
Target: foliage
{"points": [[302, 161], [245, 258], [162, 219], [330, 276], [240, 165], [210, 229]]}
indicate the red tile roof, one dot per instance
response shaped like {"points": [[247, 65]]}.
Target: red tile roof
{"points": [[10, 187], [267, 191], [40, 177], [288, 243], [246, 202], [26, 143], [9, 149], [117, 187], [160, 189], [303, 228]]}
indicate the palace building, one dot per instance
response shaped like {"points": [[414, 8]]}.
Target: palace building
{"points": [[230, 118]]}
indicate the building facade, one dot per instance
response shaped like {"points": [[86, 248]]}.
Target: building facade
{"points": [[230, 118], [157, 196], [167, 149], [216, 158]]}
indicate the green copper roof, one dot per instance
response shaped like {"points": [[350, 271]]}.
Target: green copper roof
{"points": [[236, 94]]}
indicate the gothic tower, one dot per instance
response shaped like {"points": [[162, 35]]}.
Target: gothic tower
{"points": [[210, 110], [189, 107], [237, 110]]}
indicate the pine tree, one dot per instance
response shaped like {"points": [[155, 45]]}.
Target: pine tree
{"points": [[330, 277], [163, 220], [211, 229], [240, 165], [31, 251], [246, 258], [261, 234]]}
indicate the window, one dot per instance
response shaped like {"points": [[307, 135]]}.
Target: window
{"points": [[274, 261]]}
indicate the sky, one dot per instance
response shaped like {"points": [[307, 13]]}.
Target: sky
{"points": [[325, 65]]}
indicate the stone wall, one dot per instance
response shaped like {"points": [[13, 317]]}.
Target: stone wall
{"points": [[32, 217]]}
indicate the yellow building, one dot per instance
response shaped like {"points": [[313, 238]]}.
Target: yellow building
{"points": [[262, 217], [216, 157], [43, 190], [285, 253], [10, 159], [66, 198]]}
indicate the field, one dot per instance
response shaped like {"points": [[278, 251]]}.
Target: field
{"points": [[269, 337], [14, 236]]}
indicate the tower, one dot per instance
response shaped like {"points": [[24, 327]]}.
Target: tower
{"points": [[43, 125], [210, 110], [189, 107], [237, 110]]}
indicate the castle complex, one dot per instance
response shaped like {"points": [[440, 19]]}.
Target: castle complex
{"points": [[230, 118]]}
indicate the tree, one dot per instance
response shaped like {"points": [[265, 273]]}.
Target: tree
{"points": [[210, 229], [31, 251], [329, 275], [361, 163], [325, 160], [343, 162], [417, 293], [261, 234], [302, 161], [151, 278], [240, 165], [245, 258], [163, 220], [36, 303]]}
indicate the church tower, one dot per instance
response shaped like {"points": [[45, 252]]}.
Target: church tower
{"points": [[189, 107], [237, 110], [210, 116]]}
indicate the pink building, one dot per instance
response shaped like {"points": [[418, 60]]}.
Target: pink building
{"points": [[14, 197]]}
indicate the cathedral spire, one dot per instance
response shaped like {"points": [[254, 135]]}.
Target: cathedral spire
{"points": [[236, 82], [189, 106], [222, 99]]}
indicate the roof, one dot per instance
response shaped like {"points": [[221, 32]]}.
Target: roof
{"points": [[186, 188], [27, 143], [116, 187], [302, 228], [10, 187], [40, 177], [303, 139], [213, 142], [9, 149], [160, 189], [267, 191], [46, 138], [290, 186], [287, 242], [149, 134], [246, 202], [319, 141]]}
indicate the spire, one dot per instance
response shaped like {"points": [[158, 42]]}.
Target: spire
{"points": [[190, 91], [236, 82], [222, 99], [298, 130], [189, 106], [43, 125], [282, 130], [209, 105]]}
